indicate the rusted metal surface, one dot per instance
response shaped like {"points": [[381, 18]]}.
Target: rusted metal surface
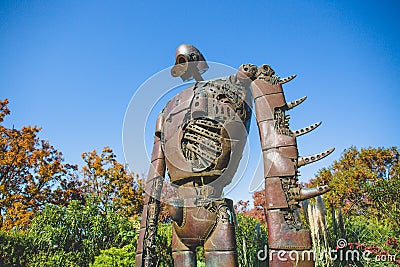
{"points": [[281, 164], [146, 248], [200, 137]]}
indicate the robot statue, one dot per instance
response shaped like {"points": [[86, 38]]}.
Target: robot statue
{"points": [[199, 138]]}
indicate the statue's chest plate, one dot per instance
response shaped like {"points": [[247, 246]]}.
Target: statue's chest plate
{"points": [[201, 122]]}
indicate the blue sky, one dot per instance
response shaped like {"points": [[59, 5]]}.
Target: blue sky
{"points": [[71, 67]]}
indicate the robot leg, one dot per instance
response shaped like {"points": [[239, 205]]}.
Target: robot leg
{"points": [[182, 254], [220, 246]]}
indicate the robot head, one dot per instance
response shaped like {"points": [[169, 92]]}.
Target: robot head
{"points": [[189, 63]]}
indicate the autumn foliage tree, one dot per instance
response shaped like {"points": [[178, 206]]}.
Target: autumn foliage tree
{"points": [[32, 173], [364, 181], [110, 184], [258, 211]]}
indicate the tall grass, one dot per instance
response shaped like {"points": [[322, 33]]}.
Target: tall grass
{"points": [[315, 213]]}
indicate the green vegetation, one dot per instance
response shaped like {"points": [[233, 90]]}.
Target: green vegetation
{"points": [[52, 214], [363, 205]]}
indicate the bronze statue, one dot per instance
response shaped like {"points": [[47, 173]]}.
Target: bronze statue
{"points": [[199, 139]]}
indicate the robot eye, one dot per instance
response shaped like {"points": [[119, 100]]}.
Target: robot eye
{"points": [[182, 60]]}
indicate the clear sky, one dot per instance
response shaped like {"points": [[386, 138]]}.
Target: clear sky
{"points": [[71, 67]]}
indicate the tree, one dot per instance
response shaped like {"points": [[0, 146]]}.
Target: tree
{"points": [[385, 195], [110, 184], [32, 173], [360, 178], [258, 211]]}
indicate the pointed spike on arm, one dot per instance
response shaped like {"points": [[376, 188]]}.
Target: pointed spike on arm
{"points": [[306, 129], [301, 161], [287, 79], [307, 193], [296, 102]]}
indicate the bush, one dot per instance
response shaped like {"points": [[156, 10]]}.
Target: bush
{"points": [[116, 257], [57, 258], [251, 236], [14, 248], [164, 249], [74, 235]]}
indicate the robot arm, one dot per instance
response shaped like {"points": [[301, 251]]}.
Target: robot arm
{"points": [[281, 164], [278, 142], [146, 247]]}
